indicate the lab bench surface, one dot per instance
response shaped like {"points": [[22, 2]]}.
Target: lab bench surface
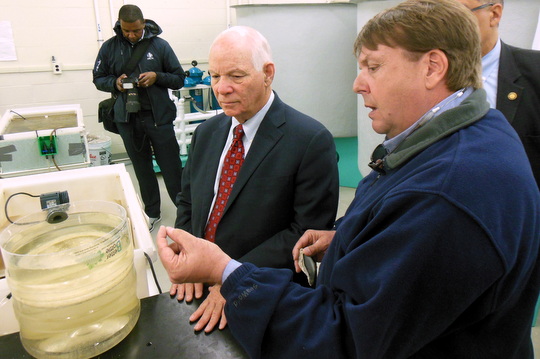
{"points": [[162, 331]]}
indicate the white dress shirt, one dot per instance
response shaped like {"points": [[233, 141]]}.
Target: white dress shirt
{"points": [[490, 73]]}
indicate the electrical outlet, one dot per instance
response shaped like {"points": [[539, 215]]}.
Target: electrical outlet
{"points": [[56, 67]]}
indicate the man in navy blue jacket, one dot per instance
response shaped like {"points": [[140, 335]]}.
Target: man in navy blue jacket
{"points": [[438, 254], [147, 130]]}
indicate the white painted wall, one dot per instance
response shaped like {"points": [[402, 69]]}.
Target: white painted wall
{"points": [[315, 66], [67, 30]]}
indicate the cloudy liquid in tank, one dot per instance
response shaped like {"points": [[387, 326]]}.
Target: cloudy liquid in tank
{"points": [[74, 287]]}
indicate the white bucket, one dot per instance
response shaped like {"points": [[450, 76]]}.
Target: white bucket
{"points": [[99, 149]]}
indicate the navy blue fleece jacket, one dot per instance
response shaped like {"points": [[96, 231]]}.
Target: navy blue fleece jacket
{"points": [[438, 258]]}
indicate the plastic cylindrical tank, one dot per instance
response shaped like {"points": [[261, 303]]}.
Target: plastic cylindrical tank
{"points": [[70, 270]]}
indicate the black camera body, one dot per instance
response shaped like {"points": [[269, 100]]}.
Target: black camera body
{"points": [[132, 103]]}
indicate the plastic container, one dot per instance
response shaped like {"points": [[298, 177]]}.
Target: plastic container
{"points": [[27, 130], [99, 148], [72, 279]]}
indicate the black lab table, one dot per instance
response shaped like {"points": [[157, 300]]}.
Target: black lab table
{"points": [[162, 331]]}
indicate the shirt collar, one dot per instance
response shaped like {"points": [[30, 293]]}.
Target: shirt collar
{"points": [[252, 125], [490, 61], [490, 73], [448, 103]]}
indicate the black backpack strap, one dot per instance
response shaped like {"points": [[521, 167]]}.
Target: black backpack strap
{"points": [[140, 49]]}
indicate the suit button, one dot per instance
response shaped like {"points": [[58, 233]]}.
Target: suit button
{"points": [[512, 96]]}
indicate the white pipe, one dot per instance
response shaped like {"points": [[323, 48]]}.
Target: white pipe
{"points": [[183, 128], [197, 116], [228, 13], [44, 68], [180, 126], [113, 15], [98, 23]]}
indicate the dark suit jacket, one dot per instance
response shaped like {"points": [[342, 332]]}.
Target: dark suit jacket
{"points": [[287, 184], [519, 74]]}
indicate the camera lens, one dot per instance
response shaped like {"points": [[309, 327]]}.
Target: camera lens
{"points": [[132, 102]]}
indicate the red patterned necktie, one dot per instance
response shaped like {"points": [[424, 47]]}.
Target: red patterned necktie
{"points": [[231, 166]]}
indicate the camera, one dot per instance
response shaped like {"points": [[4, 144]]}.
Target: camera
{"points": [[132, 102]]}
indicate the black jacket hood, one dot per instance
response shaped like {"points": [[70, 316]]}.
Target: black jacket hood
{"points": [[151, 29]]}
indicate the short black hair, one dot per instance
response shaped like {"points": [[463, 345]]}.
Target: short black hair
{"points": [[130, 13]]}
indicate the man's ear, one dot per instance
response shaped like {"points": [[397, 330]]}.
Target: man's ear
{"points": [[437, 68], [269, 71], [495, 15]]}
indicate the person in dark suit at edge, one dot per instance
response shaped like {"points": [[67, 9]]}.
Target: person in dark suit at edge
{"points": [[288, 183], [511, 78]]}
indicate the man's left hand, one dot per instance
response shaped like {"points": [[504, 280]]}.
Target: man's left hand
{"points": [[147, 79], [210, 312]]}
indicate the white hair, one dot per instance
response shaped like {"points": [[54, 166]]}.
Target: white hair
{"points": [[261, 51]]}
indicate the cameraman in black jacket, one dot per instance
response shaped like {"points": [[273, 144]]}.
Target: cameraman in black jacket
{"points": [[146, 124]]}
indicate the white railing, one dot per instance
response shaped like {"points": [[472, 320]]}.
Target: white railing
{"points": [[186, 123]]}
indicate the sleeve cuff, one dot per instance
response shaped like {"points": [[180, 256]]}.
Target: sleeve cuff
{"points": [[231, 266], [235, 276]]}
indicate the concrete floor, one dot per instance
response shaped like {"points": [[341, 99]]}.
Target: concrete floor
{"points": [[168, 214]]}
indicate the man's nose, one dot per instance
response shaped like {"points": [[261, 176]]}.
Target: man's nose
{"points": [[223, 87], [360, 85]]}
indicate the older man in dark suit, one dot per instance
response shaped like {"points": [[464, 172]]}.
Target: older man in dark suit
{"points": [[287, 184], [511, 78]]}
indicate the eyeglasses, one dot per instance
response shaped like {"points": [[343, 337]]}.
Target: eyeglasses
{"points": [[482, 6]]}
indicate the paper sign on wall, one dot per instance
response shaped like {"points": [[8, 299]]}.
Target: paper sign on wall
{"points": [[7, 45]]}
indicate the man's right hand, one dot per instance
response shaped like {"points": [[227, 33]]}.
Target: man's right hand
{"points": [[119, 86], [187, 291], [189, 259]]}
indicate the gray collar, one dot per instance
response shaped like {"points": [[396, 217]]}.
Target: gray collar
{"points": [[472, 109]]}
